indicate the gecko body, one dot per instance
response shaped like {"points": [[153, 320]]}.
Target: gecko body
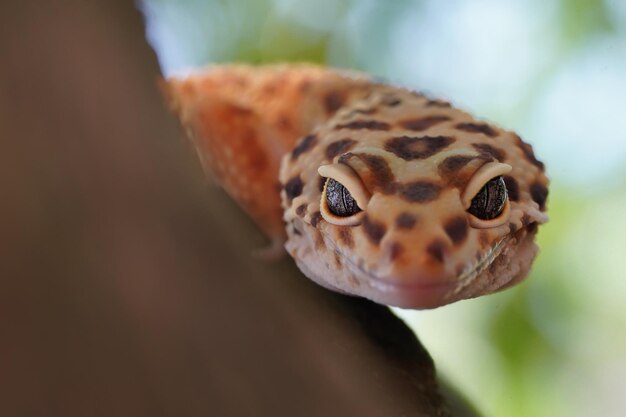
{"points": [[375, 190]]}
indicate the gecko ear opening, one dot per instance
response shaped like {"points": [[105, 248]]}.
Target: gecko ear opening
{"points": [[344, 196], [485, 197]]}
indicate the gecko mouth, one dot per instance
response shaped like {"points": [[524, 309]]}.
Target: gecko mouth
{"points": [[502, 268], [468, 276], [505, 264]]}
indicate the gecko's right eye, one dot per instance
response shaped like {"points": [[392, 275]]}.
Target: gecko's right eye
{"points": [[339, 200]]}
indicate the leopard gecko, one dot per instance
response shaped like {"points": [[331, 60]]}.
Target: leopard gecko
{"points": [[375, 190]]}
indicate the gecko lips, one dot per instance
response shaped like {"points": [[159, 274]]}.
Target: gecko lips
{"points": [[505, 265]]}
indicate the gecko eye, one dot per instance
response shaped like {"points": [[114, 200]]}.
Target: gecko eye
{"points": [[490, 201], [485, 197], [344, 197], [339, 200]]}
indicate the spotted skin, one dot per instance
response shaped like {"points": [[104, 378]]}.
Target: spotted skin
{"points": [[415, 244]]}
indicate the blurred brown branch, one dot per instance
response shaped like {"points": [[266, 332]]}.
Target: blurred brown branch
{"points": [[126, 287]]}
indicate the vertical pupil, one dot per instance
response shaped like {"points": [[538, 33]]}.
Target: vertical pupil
{"points": [[490, 200], [340, 201]]}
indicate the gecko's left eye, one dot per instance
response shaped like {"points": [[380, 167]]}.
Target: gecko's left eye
{"points": [[485, 197], [339, 200], [490, 200]]}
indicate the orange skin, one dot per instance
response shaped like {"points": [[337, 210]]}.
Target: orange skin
{"points": [[273, 136]]}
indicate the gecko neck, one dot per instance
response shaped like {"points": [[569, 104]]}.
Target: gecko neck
{"points": [[243, 120]]}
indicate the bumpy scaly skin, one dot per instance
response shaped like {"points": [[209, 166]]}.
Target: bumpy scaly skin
{"points": [[415, 244]]}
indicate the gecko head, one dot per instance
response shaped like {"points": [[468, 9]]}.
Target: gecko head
{"points": [[413, 211]]}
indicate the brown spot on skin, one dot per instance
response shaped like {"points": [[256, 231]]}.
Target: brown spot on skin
{"points": [[365, 124], [258, 162], [301, 210], [477, 128], [512, 187], [339, 147], [380, 174], [437, 250], [423, 123], [305, 144], [295, 230], [293, 188], [240, 110], [373, 229], [333, 101], [532, 228], [345, 237], [395, 250], [411, 147], [512, 228], [319, 241], [316, 218], [321, 183], [405, 221], [527, 149], [452, 170], [457, 229], [492, 151], [452, 164], [254, 157], [284, 122], [437, 103], [379, 169], [419, 191], [539, 194]]}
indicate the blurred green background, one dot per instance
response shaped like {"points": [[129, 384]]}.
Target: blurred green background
{"points": [[554, 71]]}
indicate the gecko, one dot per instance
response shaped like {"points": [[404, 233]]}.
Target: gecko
{"points": [[375, 190]]}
